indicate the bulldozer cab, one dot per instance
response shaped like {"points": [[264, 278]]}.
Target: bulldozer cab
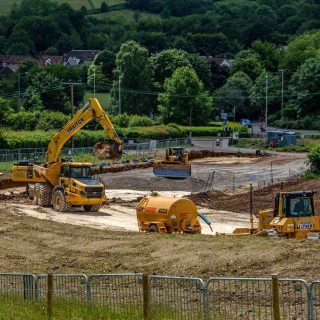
{"points": [[294, 204]]}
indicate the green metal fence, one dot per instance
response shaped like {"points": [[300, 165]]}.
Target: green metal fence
{"points": [[138, 296]]}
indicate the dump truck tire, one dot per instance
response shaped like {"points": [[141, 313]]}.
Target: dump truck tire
{"points": [[59, 202], [153, 228], [95, 208], [42, 196]]}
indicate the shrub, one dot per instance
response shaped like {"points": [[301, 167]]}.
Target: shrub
{"points": [[140, 121], [44, 120], [314, 159]]}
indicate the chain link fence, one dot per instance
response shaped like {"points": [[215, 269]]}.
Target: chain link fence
{"points": [[137, 296], [132, 151], [230, 180]]}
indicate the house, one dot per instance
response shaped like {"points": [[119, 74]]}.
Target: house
{"points": [[76, 57], [11, 61], [220, 62], [46, 60], [7, 71]]}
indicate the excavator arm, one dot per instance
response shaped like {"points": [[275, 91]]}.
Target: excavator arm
{"points": [[92, 110]]}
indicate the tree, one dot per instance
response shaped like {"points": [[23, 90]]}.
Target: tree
{"points": [[52, 51], [300, 49], [164, 63], [106, 60], [305, 86], [32, 100], [185, 101], [268, 53], [26, 65], [258, 93], [50, 90], [209, 44], [97, 78], [104, 7], [202, 67], [133, 67], [234, 95], [5, 109], [249, 64]]}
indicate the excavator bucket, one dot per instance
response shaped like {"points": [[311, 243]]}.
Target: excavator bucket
{"points": [[172, 170], [106, 151]]}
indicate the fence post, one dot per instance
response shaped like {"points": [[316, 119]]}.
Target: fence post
{"points": [[50, 296], [251, 207], [275, 297], [271, 173], [146, 296], [233, 183]]}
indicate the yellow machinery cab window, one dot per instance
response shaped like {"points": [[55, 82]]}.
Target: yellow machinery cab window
{"points": [[300, 207], [80, 172]]}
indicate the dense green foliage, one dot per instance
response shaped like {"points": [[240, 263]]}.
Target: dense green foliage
{"points": [[141, 60], [314, 159]]}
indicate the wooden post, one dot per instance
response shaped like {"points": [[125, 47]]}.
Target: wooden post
{"points": [[251, 207], [275, 297], [50, 296], [146, 296]]}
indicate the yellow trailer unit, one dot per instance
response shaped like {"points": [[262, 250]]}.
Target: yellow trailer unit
{"points": [[167, 215]]}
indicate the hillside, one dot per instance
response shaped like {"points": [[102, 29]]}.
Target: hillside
{"points": [[6, 5]]}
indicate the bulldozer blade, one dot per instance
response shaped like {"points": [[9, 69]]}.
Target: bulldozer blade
{"points": [[174, 171]]}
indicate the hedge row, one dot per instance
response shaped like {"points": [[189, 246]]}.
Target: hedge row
{"points": [[85, 138]]}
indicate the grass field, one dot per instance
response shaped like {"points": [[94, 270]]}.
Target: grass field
{"points": [[6, 5], [103, 97], [128, 15]]}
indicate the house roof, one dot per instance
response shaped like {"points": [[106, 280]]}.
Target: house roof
{"points": [[221, 62], [83, 55], [12, 59], [47, 60]]}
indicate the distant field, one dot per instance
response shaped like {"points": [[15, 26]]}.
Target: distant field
{"points": [[126, 14], [103, 97], [6, 5]]}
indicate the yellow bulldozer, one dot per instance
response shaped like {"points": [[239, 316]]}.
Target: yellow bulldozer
{"points": [[293, 216], [64, 184], [175, 165]]}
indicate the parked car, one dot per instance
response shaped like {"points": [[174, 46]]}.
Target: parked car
{"points": [[246, 122]]}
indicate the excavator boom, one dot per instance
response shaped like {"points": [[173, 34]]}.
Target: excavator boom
{"points": [[92, 110]]}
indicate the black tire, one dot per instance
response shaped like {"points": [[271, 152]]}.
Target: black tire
{"points": [[59, 202], [41, 195], [153, 228], [95, 208]]}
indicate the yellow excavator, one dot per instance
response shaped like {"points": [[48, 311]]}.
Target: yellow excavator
{"points": [[293, 216], [64, 184]]}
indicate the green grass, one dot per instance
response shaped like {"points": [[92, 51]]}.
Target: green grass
{"points": [[126, 15], [103, 97], [97, 3]]}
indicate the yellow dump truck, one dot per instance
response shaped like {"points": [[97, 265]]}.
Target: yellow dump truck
{"points": [[168, 215]]}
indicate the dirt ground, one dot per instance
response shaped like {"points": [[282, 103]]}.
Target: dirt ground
{"points": [[28, 244], [34, 239]]}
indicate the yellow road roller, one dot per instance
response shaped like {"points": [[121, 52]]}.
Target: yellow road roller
{"points": [[168, 215]]}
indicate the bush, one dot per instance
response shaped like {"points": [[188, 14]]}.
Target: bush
{"points": [[314, 159], [121, 120], [140, 121], [44, 120]]}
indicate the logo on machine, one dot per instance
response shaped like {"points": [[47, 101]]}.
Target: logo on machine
{"points": [[305, 225], [151, 209], [75, 125]]}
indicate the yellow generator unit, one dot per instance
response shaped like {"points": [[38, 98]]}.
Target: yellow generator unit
{"points": [[167, 215]]}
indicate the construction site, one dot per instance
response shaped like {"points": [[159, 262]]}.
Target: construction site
{"points": [[39, 239], [157, 237]]}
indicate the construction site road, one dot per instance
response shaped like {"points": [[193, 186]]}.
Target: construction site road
{"points": [[120, 218]]}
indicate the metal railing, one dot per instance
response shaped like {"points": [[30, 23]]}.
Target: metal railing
{"points": [[38, 154], [138, 296]]}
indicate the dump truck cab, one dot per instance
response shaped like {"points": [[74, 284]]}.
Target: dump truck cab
{"points": [[293, 215]]}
